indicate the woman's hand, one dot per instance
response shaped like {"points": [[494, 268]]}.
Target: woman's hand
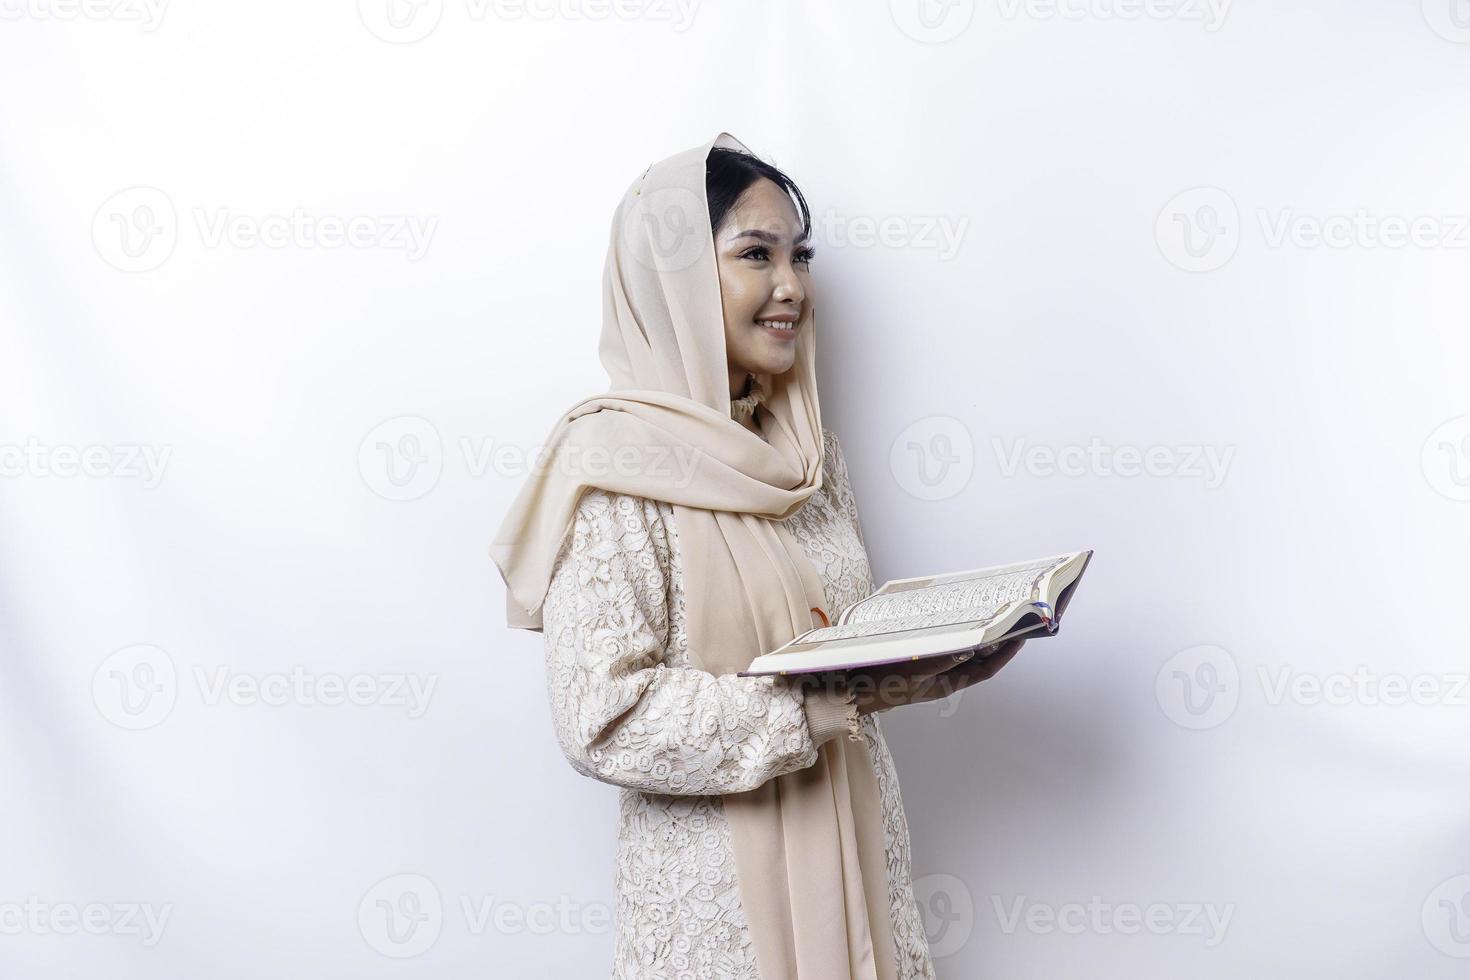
{"points": [[881, 688]]}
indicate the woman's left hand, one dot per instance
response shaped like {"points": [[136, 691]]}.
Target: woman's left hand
{"points": [[981, 667], [894, 685]]}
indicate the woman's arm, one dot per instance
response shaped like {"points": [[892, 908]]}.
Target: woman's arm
{"points": [[625, 716]]}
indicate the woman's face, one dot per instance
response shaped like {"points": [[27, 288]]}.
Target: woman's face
{"points": [[764, 276]]}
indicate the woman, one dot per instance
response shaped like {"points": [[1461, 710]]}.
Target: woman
{"points": [[753, 840]]}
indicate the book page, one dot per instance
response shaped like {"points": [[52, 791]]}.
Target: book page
{"points": [[981, 594], [972, 602]]}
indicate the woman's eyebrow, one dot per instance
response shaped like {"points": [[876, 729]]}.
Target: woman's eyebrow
{"points": [[766, 236]]}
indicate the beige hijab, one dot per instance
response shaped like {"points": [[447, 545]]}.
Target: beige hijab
{"points": [[808, 846]]}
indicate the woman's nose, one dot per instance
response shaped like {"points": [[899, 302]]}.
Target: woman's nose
{"points": [[788, 286]]}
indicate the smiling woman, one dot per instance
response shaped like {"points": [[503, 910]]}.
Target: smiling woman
{"points": [[761, 830], [764, 265]]}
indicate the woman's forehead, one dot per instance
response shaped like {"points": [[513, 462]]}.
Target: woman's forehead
{"points": [[764, 211]]}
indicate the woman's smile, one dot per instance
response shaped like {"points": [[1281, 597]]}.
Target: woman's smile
{"points": [[783, 330]]}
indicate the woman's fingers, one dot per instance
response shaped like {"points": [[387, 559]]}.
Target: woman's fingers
{"points": [[980, 668], [915, 682], [984, 668], [988, 667], [892, 685]]}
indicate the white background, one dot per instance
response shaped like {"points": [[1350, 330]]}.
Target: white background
{"points": [[322, 498]]}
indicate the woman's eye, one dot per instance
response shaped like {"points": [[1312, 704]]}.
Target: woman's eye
{"points": [[802, 256]]}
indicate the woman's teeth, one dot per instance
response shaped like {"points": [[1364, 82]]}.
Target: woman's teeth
{"points": [[777, 324]]}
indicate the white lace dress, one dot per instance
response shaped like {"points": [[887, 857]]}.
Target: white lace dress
{"points": [[630, 710]]}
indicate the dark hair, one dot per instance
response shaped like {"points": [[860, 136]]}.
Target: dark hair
{"points": [[729, 174]]}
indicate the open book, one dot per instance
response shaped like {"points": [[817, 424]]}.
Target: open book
{"points": [[938, 615]]}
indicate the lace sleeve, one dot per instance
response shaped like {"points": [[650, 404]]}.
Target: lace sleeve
{"points": [[842, 493], [623, 715]]}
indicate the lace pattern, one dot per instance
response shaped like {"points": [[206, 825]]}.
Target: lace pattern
{"points": [[629, 709]]}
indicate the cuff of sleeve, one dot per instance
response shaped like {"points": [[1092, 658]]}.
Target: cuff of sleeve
{"points": [[829, 714]]}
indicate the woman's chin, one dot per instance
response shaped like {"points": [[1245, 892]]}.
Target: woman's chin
{"points": [[777, 357]]}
